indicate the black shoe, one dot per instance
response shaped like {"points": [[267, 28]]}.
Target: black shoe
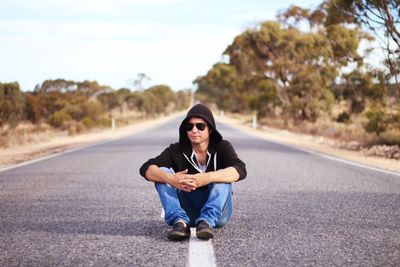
{"points": [[204, 231], [179, 232]]}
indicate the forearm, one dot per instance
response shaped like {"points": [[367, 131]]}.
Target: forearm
{"points": [[178, 180], [155, 174], [227, 175]]}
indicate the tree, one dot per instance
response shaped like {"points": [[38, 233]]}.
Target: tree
{"points": [[358, 87], [58, 85], [12, 104], [34, 108], [382, 17], [122, 98], [138, 82], [283, 65], [223, 86], [159, 99], [108, 100]]}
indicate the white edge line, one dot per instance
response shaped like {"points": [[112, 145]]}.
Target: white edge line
{"points": [[81, 148], [350, 162], [318, 153], [55, 155]]}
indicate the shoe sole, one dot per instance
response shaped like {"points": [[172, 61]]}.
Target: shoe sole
{"points": [[204, 235], [177, 237]]}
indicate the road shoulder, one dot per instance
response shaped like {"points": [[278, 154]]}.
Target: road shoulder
{"points": [[20, 154], [313, 144]]}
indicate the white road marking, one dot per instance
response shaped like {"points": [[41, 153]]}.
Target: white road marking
{"points": [[201, 252], [55, 155], [321, 154], [162, 213], [81, 148], [348, 162]]}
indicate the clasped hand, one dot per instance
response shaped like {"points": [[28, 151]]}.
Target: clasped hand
{"points": [[189, 182]]}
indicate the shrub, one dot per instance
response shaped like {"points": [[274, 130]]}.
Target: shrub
{"points": [[376, 120], [58, 118], [88, 122], [104, 122], [390, 137], [73, 127]]}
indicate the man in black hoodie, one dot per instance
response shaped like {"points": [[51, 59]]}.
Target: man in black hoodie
{"points": [[193, 177]]}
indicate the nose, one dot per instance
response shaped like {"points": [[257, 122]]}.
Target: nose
{"points": [[195, 129]]}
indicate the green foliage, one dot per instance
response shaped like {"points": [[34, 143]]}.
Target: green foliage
{"points": [[108, 100], [34, 108], [390, 137], [103, 122], [380, 120], [223, 82], [381, 18], [386, 125], [12, 104], [58, 118], [264, 99], [59, 85], [76, 106], [88, 122], [275, 65], [285, 69], [183, 99], [156, 99], [358, 87]]}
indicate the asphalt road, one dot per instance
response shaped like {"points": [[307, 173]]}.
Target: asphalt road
{"points": [[91, 207]]}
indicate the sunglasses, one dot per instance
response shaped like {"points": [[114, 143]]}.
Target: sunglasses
{"points": [[200, 126]]}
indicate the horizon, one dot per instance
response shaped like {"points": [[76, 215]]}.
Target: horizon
{"points": [[171, 41]]}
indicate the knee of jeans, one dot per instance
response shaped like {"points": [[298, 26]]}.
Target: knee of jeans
{"points": [[167, 170], [162, 186], [222, 186]]}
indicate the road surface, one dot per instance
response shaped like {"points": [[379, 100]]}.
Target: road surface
{"points": [[91, 207]]}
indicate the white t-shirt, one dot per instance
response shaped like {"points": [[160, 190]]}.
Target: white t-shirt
{"points": [[202, 167]]}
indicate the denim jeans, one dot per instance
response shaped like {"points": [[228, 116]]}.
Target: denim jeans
{"points": [[211, 203]]}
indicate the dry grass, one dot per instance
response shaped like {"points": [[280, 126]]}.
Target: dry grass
{"points": [[25, 133], [321, 144], [351, 137], [29, 147]]}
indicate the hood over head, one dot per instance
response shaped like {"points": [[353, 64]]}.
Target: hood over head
{"points": [[200, 111]]}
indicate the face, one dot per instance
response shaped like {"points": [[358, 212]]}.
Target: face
{"points": [[198, 136]]}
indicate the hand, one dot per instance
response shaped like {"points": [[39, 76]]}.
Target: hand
{"points": [[201, 179], [183, 181]]}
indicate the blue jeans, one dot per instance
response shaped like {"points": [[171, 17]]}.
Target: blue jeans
{"points": [[211, 203]]}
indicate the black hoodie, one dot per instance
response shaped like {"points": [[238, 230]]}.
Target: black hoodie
{"points": [[180, 156]]}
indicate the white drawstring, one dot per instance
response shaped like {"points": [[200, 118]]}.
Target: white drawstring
{"points": [[215, 161]]}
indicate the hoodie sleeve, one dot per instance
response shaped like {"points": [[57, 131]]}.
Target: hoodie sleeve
{"points": [[165, 159], [229, 158]]}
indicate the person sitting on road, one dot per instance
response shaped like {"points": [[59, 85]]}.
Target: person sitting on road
{"points": [[193, 177]]}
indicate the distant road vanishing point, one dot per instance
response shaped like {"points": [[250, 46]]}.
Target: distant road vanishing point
{"points": [[91, 207]]}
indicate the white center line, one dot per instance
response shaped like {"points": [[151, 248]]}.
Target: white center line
{"points": [[162, 213], [201, 252]]}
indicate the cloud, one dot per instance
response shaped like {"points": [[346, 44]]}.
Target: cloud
{"points": [[172, 41]]}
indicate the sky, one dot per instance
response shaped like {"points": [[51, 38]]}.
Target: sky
{"points": [[111, 41]]}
